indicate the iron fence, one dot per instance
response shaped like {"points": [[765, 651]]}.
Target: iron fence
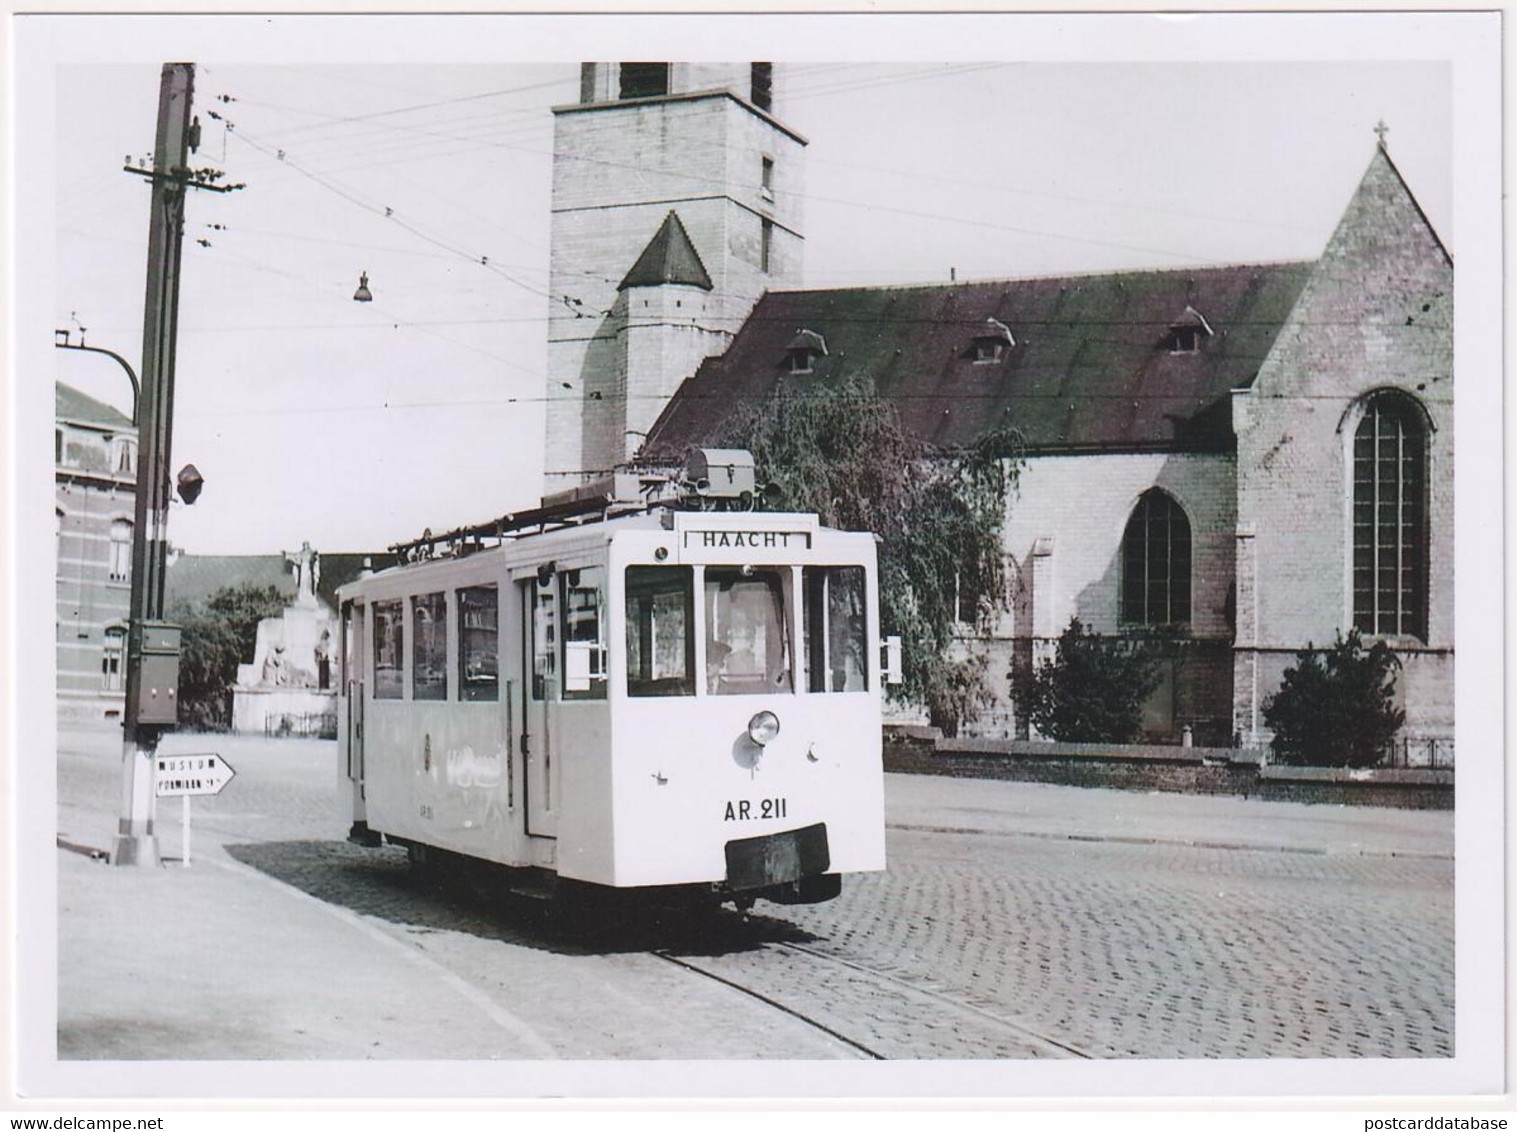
{"points": [[301, 725]]}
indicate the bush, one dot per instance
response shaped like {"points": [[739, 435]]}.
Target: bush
{"points": [[1335, 706], [217, 637], [1094, 689]]}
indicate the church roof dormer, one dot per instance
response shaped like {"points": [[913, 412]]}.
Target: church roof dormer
{"points": [[670, 257]]}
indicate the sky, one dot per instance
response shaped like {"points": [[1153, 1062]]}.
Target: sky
{"points": [[354, 426]]}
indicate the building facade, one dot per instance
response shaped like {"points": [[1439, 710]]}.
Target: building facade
{"points": [[95, 458], [1246, 460]]}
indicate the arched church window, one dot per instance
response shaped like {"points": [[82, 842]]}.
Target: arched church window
{"points": [[1391, 518], [1157, 563]]}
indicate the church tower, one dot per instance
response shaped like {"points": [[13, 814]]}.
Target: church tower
{"points": [[676, 204]]}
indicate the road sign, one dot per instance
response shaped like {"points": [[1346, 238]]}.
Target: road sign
{"points": [[183, 775]]}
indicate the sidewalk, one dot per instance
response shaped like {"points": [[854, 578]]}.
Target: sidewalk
{"points": [[220, 961], [919, 801]]}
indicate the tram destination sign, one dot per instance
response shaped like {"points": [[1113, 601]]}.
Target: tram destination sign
{"points": [[746, 540], [183, 775]]}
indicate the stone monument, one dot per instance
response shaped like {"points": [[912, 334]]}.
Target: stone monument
{"points": [[289, 687]]}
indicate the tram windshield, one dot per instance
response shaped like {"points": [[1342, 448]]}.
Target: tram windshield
{"points": [[660, 648], [747, 647]]}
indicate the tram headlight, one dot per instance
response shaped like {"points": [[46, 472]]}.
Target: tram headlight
{"points": [[763, 727]]}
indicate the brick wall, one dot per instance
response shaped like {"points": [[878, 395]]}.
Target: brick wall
{"points": [[1375, 314]]}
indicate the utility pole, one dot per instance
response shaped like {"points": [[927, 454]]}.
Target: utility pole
{"points": [[171, 177]]}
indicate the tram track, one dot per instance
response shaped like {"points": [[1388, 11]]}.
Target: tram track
{"points": [[878, 996]]}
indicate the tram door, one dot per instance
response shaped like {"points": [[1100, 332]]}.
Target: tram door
{"points": [[540, 690]]}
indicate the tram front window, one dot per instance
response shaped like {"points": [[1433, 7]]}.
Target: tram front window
{"points": [[747, 646], [660, 648]]}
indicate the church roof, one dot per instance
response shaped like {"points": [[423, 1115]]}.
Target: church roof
{"points": [[669, 258], [1093, 366], [71, 405]]}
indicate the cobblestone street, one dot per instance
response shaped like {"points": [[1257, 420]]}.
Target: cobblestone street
{"points": [[1014, 921]]}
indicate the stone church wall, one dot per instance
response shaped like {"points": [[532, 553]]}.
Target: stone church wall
{"points": [[1064, 540], [1376, 314]]}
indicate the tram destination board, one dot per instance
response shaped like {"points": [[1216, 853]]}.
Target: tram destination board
{"points": [[183, 775]]}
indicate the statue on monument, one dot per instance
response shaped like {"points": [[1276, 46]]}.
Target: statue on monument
{"points": [[307, 565]]}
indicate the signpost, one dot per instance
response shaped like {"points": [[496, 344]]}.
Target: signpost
{"points": [[184, 775]]}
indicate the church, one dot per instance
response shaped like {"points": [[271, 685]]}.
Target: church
{"points": [[1254, 457]]}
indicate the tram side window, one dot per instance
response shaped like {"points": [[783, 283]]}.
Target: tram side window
{"points": [[584, 635], [832, 617], [747, 647], [661, 652], [388, 618], [429, 647], [479, 640]]}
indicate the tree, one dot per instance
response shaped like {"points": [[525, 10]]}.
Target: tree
{"points": [[1335, 706], [217, 637], [843, 454], [1094, 689]]}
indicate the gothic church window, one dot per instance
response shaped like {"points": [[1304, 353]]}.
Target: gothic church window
{"points": [[643, 80], [1391, 518], [1157, 563]]}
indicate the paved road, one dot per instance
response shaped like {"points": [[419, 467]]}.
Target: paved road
{"points": [[1015, 920]]}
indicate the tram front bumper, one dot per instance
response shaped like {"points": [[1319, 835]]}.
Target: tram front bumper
{"points": [[778, 858]]}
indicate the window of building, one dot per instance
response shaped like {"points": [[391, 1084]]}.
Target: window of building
{"points": [[966, 602], [120, 565], [992, 340], [57, 446], [747, 638], [110, 659], [762, 85], [766, 244], [429, 647], [126, 457], [57, 536], [479, 644], [661, 650], [389, 621], [1188, 332], [805, 349], [767, 178], [1391, 518], [584, 633], [833, 628], [643, 80], [1157, 563]]}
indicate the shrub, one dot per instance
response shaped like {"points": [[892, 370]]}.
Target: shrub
{"points": [[217, 637], [1335, 706], [1094, 689]]}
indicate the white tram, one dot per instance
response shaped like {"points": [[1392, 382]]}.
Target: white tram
{"points": [[668, 698]]}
